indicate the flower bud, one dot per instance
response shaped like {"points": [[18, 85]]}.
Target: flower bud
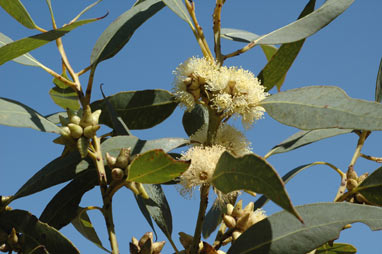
{"points": [[242, 221], [229, 209], [87, 118], [237, 210], [158, 246], [229, 221], [351, 174], [146, 237], [236, 234], [95, 115], [117, 174], [90, 131], [65, 131], [76, 131], [110, 160], [82, 146], [249, 207], [75, 119], [123, 158], [13, 238]]}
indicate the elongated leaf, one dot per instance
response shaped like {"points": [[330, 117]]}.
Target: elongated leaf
{"points": [[213, 219], [251, 172], [16, 114], [63, 95], [336, 248], [260, 202], [277, 68], [238, 35], [62, 209], [87, 8], [378, 85], [20, 47], [178, 7], [40, 233], [323, 222], [26, 59], [17, 10], [303, 138], [308, 25], [321, 107], [138, 109], [118, 33], [83, 225], [371, 187], [157, 207], [60, 170], [155, 167], [195, 119]]}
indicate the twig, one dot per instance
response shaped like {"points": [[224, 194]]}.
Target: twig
{"points": [[83, 71], [240, 51], [204, 190], [372, 158], [216, 28]]}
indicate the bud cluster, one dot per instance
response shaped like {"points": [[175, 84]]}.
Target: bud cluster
{"points": [[238, 220], [119, 170], [10, 242], [352, 182], [145, 245], [76, 131], [186, 241]]}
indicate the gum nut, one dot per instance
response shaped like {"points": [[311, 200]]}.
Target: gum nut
{"points": [[87, 118], [63, 120], [90, 131], [229, 209], [76, 131], [227, 241], [237, 210], [110, 160], [123, 158], [351, 174], [229, 221], [146, 237], [249, 207], [75, 119], [158, 246], [351, 184], [236, 234], [95, 115], [82, 146], [242, 222], [185, 239], [117, 174], [65, 131]]}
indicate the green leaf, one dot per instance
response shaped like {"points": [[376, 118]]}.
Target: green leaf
{"points": [[323, 222], [321, 107], [371, 187], [213, 219], [251, 172], [138, 109], [378, 85], [303, 138], [20, 47], [26, 59], [194, 120], [260, 202], [238, 35], [58, 171], [336, 248], [157, 207], [38, 232], [83, 225], [16, 114], [63, 95], [62, 209], [178, 7], [274, 73], [118, 33], [17, 10], [307, 25], [155, 167]]}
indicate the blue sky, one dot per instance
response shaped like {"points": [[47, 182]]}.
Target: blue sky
{"points": [[346, 53]]}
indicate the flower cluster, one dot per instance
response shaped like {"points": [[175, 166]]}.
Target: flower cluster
{"points": [[229, 90]]}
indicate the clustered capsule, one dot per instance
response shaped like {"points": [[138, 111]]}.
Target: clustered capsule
{"points": [[186, 241], [352, 182], [145, 245], [76, 131]]}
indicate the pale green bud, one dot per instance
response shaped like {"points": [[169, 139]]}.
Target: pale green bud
{"points": [[76, 131]]}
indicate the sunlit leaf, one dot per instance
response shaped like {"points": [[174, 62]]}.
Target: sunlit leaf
{"points": [[238, 35], [321, 107], [323, 222], [155, 167], [336, 248], [17, 10], [118, 33], [16, 114], [303, 138], [63, 95], [251, 172], [138, 109], [38, 232], [20, 47], [83, 225]]}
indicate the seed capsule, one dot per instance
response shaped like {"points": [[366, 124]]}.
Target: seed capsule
{"points": [[236, 234], [90, 131], [123, 158], [229, 209], [249, 207], [362, 178], [75, 119], [117, 174], [351, 184], [76, 131], [87, 118], [95, 116]]}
